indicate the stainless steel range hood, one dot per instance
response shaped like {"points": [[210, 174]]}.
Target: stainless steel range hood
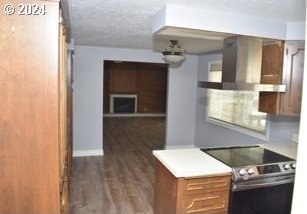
{"points": [[241, 68]]}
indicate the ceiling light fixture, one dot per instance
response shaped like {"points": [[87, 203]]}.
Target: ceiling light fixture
{"points": [[173, 54]]}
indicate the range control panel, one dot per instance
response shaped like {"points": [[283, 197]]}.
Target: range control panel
{"points": [[265, 170]]}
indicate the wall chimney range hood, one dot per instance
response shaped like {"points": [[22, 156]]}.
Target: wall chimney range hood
{"points": [[241, 68]]}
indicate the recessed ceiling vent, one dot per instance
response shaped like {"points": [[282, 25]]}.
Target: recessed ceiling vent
{"points": [[241, 68]]}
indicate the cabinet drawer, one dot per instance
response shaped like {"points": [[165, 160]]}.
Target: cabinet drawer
{"points": [[215, 202], [204, 185]]}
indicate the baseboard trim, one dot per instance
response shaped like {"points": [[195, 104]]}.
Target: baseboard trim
{"points": [[85, 153], [179, 147], [134, 115]]}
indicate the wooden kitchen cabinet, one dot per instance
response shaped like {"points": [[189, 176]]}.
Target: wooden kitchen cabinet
{"points": [[202, 195], [282, 63], [33, 111]]}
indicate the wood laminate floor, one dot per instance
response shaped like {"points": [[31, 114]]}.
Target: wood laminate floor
{"points": [[120, 182]]}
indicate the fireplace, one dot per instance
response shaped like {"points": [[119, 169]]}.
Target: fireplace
{"points": [[123, 103]]}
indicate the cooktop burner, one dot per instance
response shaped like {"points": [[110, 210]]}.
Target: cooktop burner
{"points": [[245, 156]]}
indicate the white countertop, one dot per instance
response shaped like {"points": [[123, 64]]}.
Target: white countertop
{"points": [[289, 150], [193, 162], [190, 162]]}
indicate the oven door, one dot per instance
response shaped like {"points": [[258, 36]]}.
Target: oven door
{"points": [[265, 196]]}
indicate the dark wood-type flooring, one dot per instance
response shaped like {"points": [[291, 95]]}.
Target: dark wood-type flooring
{"points": [[120, 182]]}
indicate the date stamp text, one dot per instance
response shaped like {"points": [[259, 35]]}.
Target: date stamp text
{"points": [[25, 9]]}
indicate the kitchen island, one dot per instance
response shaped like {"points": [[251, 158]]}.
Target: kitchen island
{"points": [[190, 181]]}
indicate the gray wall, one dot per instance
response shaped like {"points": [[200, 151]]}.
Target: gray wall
{"points": [[88, 96], [181, 104], [208, 134], [186, 104]]}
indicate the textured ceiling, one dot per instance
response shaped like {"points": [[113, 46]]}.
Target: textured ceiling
{"points": [[128, 23], [116, 23]]}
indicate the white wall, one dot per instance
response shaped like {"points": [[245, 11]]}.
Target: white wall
{"points": [[295, 31], [223, 22], [208, 134], [88, 96]]}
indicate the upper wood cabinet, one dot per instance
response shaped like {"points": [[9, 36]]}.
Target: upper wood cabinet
{"points": [[282, 63]]}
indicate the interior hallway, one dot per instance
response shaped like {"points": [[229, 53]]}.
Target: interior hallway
{"points": [[120, 182]]}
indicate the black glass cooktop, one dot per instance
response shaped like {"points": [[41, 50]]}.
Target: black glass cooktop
{"points": [[245, 156]]}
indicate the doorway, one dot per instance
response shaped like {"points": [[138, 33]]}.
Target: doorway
{"points": [[145, 83], [132, 129]]}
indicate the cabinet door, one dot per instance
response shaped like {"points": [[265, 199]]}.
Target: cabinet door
{"points": [[282, 64], [293, 79], [204, 185], [271, 73], [203, 195], [29, 167], [208, 203]]}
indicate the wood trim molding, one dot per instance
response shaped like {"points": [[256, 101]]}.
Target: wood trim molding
{"points": [[85, 153], [135, 115]]}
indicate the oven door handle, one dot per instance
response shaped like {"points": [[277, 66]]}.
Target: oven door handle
{"points": [[241, 186]]}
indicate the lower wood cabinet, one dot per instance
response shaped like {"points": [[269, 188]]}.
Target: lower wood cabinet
{"points": [[202, 195], [215, 202]]}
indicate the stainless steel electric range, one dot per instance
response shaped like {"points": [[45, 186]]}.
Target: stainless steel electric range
{"points": [[262, 180]]}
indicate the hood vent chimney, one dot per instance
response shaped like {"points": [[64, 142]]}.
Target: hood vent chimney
{"points": [[241, 68]]}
